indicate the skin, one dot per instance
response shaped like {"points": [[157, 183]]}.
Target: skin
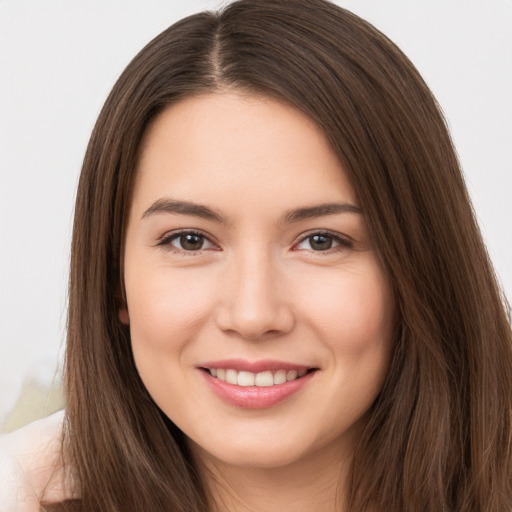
{"points": [[257, 288]]}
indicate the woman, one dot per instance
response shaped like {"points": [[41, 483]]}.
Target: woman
{"points": [[279, 297]]}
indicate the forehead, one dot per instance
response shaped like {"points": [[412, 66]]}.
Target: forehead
{"points": [[207, 147]]}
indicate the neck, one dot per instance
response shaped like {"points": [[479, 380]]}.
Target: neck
{"points": [[317, 483]]}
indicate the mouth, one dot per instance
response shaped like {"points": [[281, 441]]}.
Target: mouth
{"points": [[267, 378], [256, 385]]}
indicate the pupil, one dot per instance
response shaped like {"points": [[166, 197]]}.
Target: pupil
{"points": [[191, 242], [321, 242]]}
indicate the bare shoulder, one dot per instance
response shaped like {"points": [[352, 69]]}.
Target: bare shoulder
{"points": [[31, 465]]}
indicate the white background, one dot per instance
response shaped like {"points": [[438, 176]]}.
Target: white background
{"points": [[58, 61]]}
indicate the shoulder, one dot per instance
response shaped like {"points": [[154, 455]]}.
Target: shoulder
{"points": [[31, 464]]}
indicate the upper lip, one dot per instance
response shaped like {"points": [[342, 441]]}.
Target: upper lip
{"points": [[254, 366]]}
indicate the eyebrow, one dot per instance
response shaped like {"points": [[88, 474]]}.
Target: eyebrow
{"points": [[320, 211], [183, 208], [204, 212]]}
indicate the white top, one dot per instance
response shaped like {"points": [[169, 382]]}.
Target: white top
{"points": [[31, 464]]}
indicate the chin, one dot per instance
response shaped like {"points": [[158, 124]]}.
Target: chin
{"points": [[257, 457], [264, 450]]}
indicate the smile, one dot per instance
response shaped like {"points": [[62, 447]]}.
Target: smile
{"points": [[262, 379], [256, 385]]}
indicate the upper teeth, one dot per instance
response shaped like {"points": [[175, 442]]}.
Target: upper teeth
{"points": [[261, 379]]}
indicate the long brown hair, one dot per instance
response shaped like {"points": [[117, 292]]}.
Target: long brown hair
{"points": [[439, 434]]}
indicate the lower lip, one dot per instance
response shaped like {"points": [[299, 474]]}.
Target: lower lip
{"points": [[254, 397]]}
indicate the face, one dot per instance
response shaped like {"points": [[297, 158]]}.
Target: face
{"points": [[260, 318]]}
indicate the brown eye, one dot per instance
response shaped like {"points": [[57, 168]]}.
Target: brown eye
{"points": [[320, 242], [187, 241], [191, 242]]}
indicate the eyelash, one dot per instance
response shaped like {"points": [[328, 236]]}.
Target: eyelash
{"points": [[166, 242]]}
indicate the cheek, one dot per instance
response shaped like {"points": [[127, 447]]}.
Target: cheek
{"points": [[166, 311], [166, 308], [353, 311]]}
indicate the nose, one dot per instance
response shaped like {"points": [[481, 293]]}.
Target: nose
{"points": [[254, 304]]}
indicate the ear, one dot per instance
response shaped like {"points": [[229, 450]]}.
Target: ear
{"points": [[123, 315]]}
